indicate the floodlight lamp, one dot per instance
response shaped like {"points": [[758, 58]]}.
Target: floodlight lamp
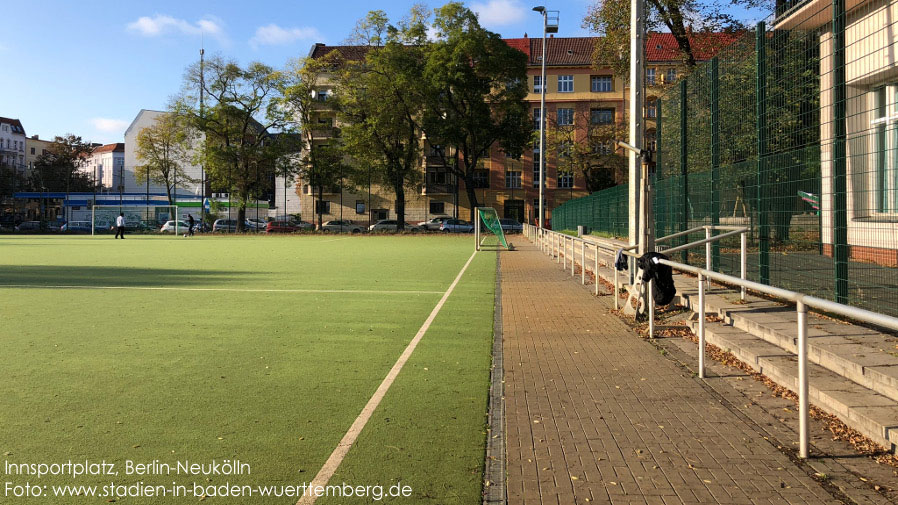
{"points": [[539, 8]]}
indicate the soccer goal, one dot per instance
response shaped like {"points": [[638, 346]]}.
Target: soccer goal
{"points": [[488, 217], [140, 218]]}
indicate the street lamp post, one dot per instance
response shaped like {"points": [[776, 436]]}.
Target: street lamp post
{"points": [[547, 28]]}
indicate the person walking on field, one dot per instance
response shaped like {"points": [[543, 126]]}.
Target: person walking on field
{"points": [[190, 224], [120, 225]]}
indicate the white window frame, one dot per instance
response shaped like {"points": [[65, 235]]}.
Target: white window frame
{"points": [[601, 80], [885, 150], [537, 84], [566, 83], [565, 179], [650, 76]]}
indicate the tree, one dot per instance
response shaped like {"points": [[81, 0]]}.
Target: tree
{"points": [[694, 24], [323, 166], [57, 168], [243, 106], [593, 155], [474, 87], [163, 149], [377, 107]]}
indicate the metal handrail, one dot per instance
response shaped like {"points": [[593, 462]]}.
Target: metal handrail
{"points": [[802, 302]]}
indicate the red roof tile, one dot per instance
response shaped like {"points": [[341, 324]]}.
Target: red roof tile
{"points": [[663, 46], [118, 147]]}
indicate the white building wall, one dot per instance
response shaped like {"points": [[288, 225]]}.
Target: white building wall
{"points": [[144, 119], [12, 147]]}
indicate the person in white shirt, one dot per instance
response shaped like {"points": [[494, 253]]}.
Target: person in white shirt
{"points": [[120, 225]]}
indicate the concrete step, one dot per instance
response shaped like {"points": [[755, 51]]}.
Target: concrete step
{"points": [[863, 409], [863, 355]]}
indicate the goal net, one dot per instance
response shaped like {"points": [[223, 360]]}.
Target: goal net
{"points": [[488, 229], [138, 218]]}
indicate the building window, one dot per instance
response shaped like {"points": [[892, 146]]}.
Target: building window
{"points": [[650, 76], [601, 148], [322, 207], [601, 116], [536, 119], [437, 207], [565, 83], [565, 117], [601, 84], [651, 142], [565, 179], [481, 179], [536, 168], [651, 109], [360, 206], [322, 95], [671, 76], [885, 183], [512, 178], [537, 84], [32, 151]]}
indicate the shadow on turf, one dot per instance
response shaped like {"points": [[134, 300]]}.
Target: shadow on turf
{"points": [[54, 275]]}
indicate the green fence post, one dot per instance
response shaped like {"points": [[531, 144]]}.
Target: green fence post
{"points": [[840, 203], [684, 180], [660, 217], [761, 95], [715, 161]]}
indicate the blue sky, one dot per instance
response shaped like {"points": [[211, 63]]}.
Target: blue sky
{"points": [[89, 67]]}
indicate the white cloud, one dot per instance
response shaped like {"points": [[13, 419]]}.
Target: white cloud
{"points": [[108, 125], [274, 35], [500, 12], [161, 24]]}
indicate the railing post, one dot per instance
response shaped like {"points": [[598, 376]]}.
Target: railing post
{"points": [[701, 326], [651, 299], [802, 379], [563, 249], [616, 298], [572, 256], [595, 269], [583, 262], [742, 262]]}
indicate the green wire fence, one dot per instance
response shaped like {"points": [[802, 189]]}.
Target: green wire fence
{"points": [[791, 130]]}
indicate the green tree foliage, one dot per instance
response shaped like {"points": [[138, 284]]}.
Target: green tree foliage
{"points": [[57, 169], [592, 156], [163, 150], [243, 108], [377, 107], [473, 88], [322, 167], [691, 22]]}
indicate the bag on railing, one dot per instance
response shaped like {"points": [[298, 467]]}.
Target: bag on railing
{"points": [[663, 289]]}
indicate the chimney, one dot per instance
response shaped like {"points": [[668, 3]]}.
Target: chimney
{"points": [[35, 137], [525, 35]]}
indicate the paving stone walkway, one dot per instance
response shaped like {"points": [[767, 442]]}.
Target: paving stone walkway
{"points": [[594, 414]]}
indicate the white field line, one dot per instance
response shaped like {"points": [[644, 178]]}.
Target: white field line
{"points": [[333, 462], [230, 290]]}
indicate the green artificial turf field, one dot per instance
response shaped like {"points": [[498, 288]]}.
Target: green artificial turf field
{"points": [[257, 349]]}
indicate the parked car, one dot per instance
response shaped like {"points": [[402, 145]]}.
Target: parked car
{"points": [[256, 224], [34, 226], [433, 224], [392, 225], [224, 226], [456, 226], [170, 227], [345, 226], [288, 226], [76, 227], [511, 226]]}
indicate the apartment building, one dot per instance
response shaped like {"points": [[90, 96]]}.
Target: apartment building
{"points": [[34, 147], [12, 143], [107, 165], [579, 98]]}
